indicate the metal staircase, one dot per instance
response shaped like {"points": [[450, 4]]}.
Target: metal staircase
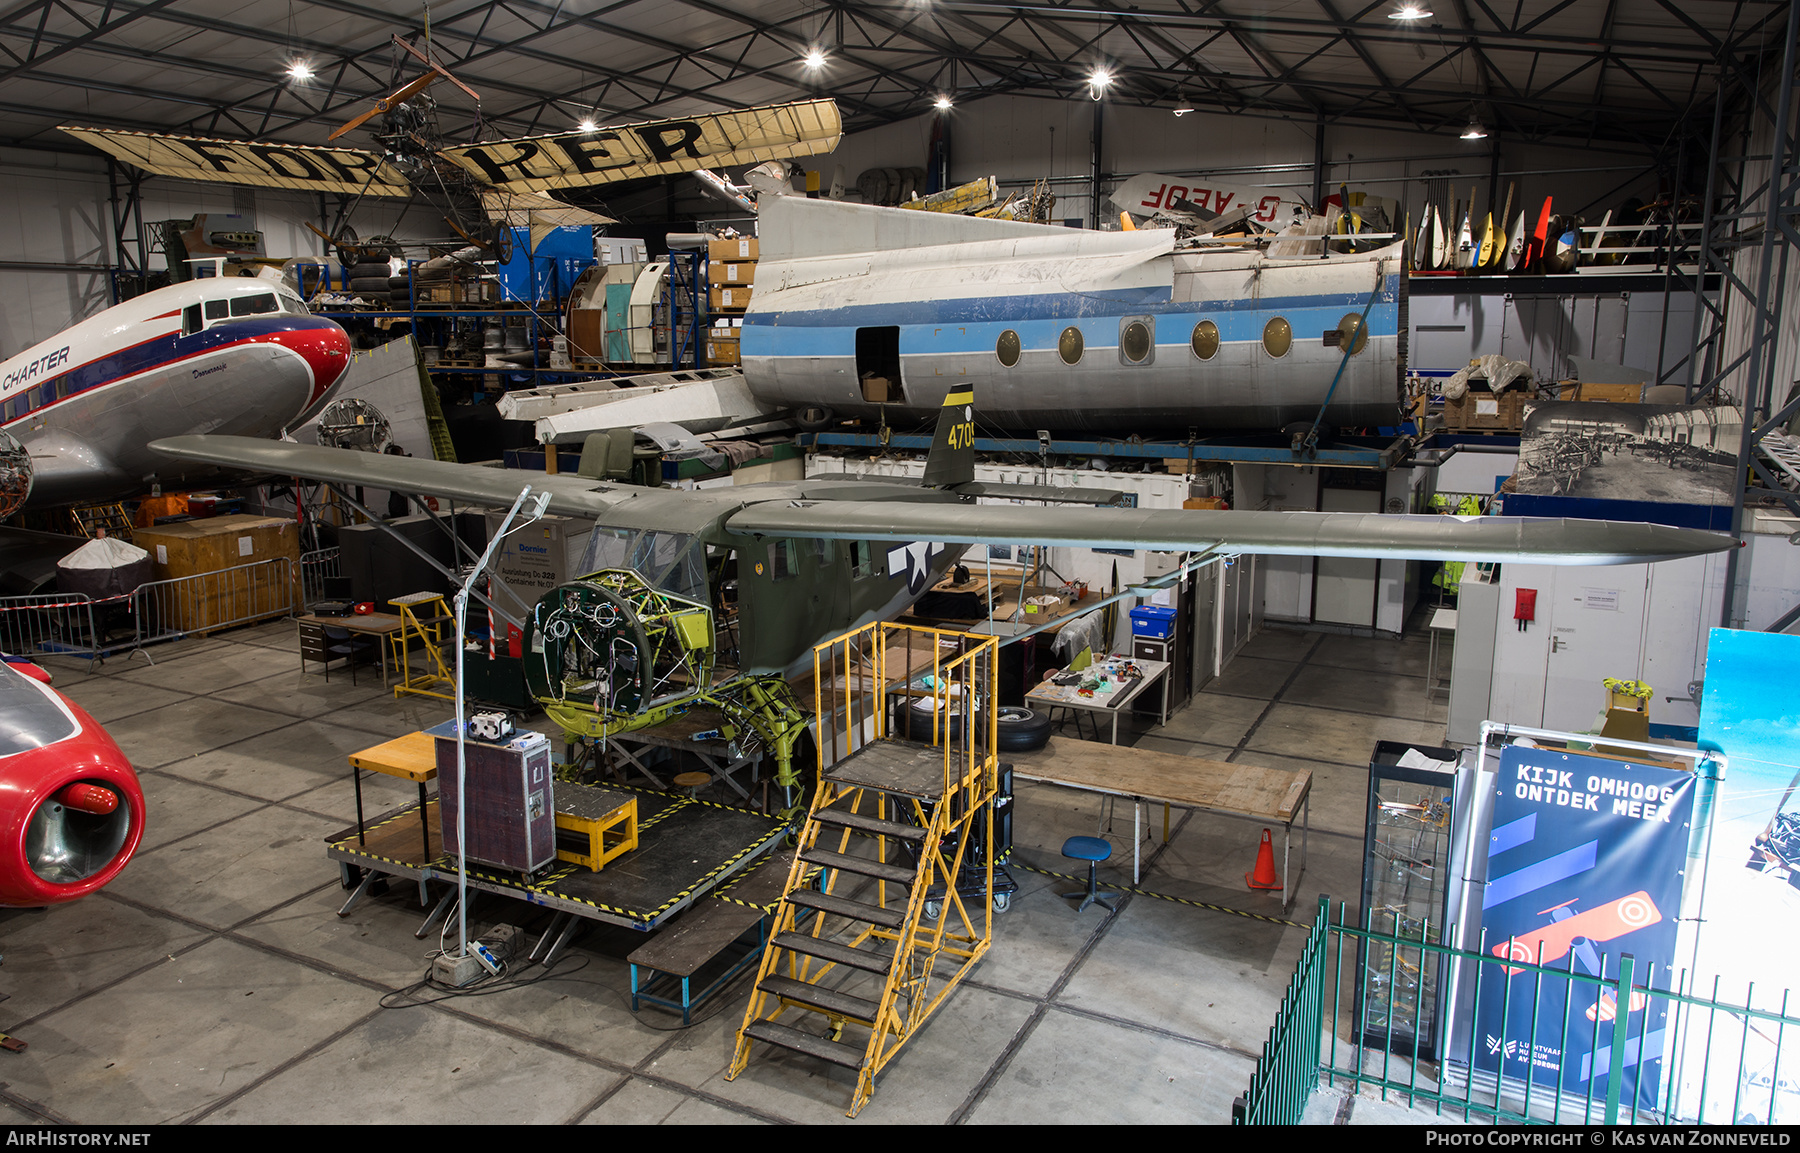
{"points": [[92, 520], [862, 956]]}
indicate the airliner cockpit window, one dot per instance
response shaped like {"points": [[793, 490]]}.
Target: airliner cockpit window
{"points": [[254, 305], [218, 309]]}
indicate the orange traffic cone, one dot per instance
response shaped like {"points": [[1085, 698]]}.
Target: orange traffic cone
{"points": [[1264, 875]]}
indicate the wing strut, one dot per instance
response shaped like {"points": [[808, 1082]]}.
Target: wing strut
{"points": [[515, 619]]}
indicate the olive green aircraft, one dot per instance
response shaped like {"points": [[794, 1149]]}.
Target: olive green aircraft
{"points": [[637, 639]]}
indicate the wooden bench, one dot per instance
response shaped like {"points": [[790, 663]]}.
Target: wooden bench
{"points": [[704, 933]]}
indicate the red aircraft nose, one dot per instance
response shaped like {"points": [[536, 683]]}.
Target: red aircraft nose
{"points": [[326, 349]]}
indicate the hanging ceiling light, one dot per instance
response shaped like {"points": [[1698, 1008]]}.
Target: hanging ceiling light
{"points": [[814, 58], [942, 104], [1409, 12], [300, 70], [1474, 131], [1182, 106], [1099, 80]]}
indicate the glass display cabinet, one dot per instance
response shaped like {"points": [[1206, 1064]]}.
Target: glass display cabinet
{"points": [[1406, 878]]}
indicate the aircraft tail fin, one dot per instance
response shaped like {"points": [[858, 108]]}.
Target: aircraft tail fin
{"points": [[952, 458]]}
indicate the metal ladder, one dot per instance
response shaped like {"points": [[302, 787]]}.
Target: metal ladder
{"points": [[882, 939], [430, 630], [110, 517]]}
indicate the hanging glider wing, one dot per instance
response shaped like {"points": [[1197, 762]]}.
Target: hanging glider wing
{"points": [[302, 167], [530, 165], [657, 148]]}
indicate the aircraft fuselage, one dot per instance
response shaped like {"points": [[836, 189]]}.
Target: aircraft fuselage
{"points": [[218, 355], [1064, 328]]}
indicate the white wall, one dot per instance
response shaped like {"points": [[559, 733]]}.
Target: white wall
{"points": [[1020, 139]]}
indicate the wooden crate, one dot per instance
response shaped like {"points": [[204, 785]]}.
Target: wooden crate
{"points": [[1626, 393], [199, 547], [1486, 412]]}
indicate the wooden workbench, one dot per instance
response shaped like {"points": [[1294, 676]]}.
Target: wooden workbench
{"points": [[1274, 796]]}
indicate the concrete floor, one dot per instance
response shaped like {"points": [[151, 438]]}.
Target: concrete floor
{"points": [[213, 981]]}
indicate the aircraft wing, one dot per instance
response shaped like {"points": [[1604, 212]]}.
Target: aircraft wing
{"points": [[569, 495], [1534, 539], [1540, 540], [302, 167], [657, 148]]}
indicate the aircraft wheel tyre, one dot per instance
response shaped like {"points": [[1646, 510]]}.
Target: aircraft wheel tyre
{"points": [[913, 718], [369, 270], [813, 419], [1021, 730], [370, 285]]}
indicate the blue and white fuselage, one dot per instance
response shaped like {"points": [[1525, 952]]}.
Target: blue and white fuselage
{"points": [[226, 355], [1061, 328]]}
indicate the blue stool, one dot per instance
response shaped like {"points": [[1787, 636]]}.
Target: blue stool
{"points": [[1093, 850]]}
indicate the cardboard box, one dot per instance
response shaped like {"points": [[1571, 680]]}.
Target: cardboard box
{"points": [[739, 248], [1498, 412], [535, 559], [1627, 393], [198, 549], [730, 298], [731, 272], [877, 389]]}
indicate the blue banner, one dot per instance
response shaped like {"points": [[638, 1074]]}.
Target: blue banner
{"points": [[1585, 863]]}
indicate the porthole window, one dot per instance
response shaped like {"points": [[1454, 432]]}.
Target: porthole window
{"points": [[1278, 337], [1069, 345], [1134, 342], [1352, 327], [1007, 348], [1206, 340]]}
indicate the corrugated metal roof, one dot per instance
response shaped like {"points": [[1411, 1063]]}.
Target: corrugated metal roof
{"points": [[1627, 70]]}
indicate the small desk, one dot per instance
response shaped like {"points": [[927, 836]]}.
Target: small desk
{"points": [[378, 625], [1443, 620], [1111, 701], [1273, 795], [412, 758]]}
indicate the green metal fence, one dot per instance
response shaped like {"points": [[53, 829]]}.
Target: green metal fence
{"points": [[1288, 1070], [1363, 1007]]}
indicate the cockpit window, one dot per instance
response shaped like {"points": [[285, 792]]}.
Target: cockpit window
{"points": [[218, 309], [668, 560], [254, 305], [293, 305]]}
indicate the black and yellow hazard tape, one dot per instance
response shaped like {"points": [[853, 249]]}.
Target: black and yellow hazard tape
{"points": [[353, 846], [1137, 892]]}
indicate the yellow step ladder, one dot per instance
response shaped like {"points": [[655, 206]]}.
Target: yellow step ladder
{"points": [[881, 938], [425, 620]]}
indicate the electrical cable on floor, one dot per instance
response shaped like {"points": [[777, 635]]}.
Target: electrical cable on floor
{"points": [[489, 983], [1137, 892]]}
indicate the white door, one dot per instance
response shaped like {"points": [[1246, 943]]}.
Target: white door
{"points": [[1597, 622], [1344, 587]]}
